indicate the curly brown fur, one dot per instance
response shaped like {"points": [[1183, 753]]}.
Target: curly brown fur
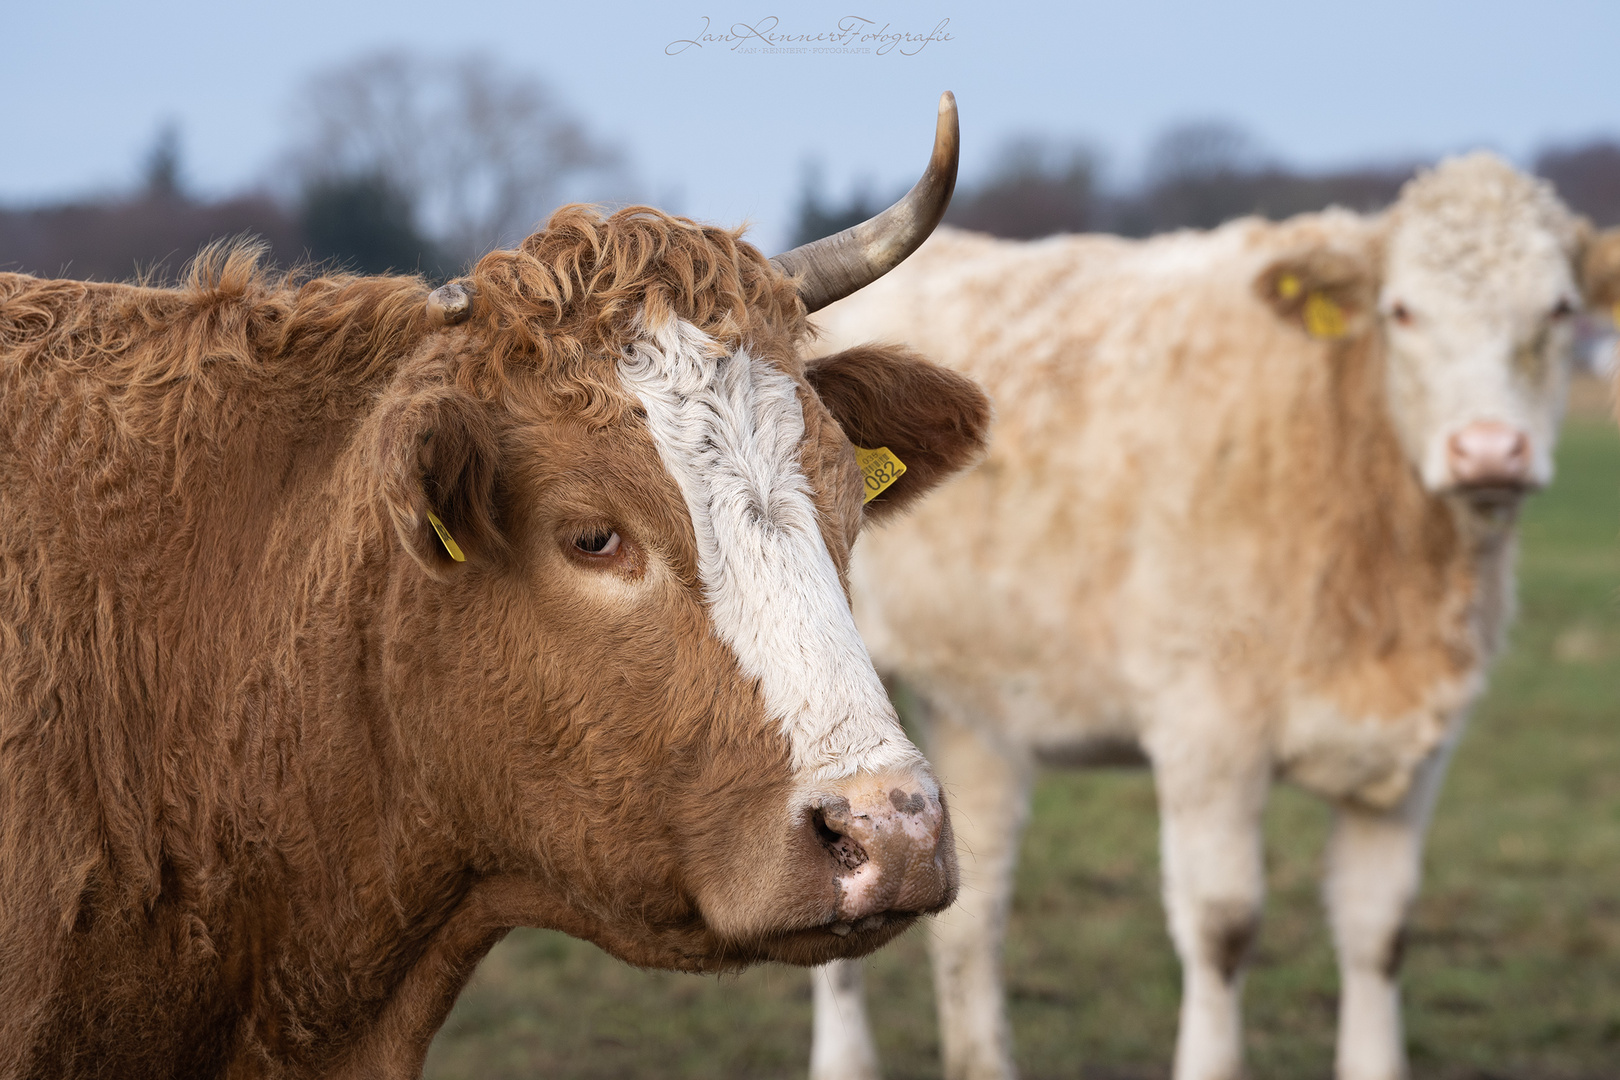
{"points": [[274, 772]]}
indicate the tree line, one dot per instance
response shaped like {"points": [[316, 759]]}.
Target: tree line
{"points": [[1196, 177]]}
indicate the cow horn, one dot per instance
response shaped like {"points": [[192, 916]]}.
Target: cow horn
{"points": [[835, 266]]}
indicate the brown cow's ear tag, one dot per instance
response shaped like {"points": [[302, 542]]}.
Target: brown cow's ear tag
{"points": [[879, 469], [445, 538], [1323, 317]]}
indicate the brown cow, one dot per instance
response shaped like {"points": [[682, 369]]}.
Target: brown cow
{"points": [[344, 626]]}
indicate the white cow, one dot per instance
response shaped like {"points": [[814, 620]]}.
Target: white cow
{"points": [[1248, 514]]}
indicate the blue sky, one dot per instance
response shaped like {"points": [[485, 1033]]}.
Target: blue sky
{"points": [[723, 135]]}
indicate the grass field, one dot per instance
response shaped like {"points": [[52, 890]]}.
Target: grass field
{"points": [[1513, 969]]}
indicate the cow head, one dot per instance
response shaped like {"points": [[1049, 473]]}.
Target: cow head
{"points": [[634, 682], [1472, 282]]}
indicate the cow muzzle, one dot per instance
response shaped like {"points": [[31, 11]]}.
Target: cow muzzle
{"points": [[891, 847], [1490, 459]]}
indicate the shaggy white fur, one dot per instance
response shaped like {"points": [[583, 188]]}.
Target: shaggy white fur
{"points": [[728, 428]]}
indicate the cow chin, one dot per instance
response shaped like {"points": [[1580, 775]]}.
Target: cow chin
{"points": [[787, 921], [835, 941], [1492, 500], [699, 950]]}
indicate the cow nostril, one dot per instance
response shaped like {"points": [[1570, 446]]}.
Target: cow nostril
{"points": [[827, 833], [845, 850]]}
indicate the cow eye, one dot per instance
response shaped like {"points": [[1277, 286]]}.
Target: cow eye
{"points": [[1401, 313], [599, 542], [1563, 308]]}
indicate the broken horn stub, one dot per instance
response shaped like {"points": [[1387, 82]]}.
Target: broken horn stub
{"points": [[449, 304]]}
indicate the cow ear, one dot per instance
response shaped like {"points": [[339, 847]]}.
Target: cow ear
{"points": [[933, 420], [1328, 293], [438, 450], [1600, 271]]}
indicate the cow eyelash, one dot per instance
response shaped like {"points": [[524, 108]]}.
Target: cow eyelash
{"points": [[599, 543]]}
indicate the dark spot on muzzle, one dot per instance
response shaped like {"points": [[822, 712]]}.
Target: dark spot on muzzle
{"points": [[914, 803]]}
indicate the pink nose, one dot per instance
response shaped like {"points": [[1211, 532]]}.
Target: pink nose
{"points": [[1489, 453], [890, 840]]}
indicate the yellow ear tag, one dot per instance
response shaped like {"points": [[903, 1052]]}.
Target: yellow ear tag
{"points": [[1324, 318], [879, 469], [1614, 313], [445, 538], [1288, 286]]}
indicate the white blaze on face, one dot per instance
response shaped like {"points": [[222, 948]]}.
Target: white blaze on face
{"points": [[1479, 256], [728, 429]]}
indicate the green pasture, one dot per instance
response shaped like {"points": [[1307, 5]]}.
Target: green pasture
{"points": [[1513, 969]]}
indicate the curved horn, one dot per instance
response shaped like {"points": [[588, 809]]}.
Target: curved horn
{"points": [[837, 265]]}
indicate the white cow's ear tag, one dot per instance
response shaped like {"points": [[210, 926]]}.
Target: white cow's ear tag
{"points": [[879, 470], [1324, 318], [450, 546]]}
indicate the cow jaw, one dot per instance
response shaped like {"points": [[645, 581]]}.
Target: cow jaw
{"points": [[729, 428]]}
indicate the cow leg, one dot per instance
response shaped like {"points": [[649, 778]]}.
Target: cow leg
{"points": [[1212, 793], [988, 786], [841, 1047], [1373, 871]]}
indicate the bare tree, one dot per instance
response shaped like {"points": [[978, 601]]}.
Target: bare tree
{"points": [[1201, 149], [1587, 175], [481, 153], [1197, 175], [820, 215], [1039, 187], [1200, 175], [162, 167]]}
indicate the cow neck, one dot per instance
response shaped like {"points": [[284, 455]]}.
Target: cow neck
{"points": [[1343, 473], [251, 848], [353, 913], [359, 909]]}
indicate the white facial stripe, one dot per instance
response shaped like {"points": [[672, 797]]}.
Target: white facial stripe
{"points": [[728, 429]]}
